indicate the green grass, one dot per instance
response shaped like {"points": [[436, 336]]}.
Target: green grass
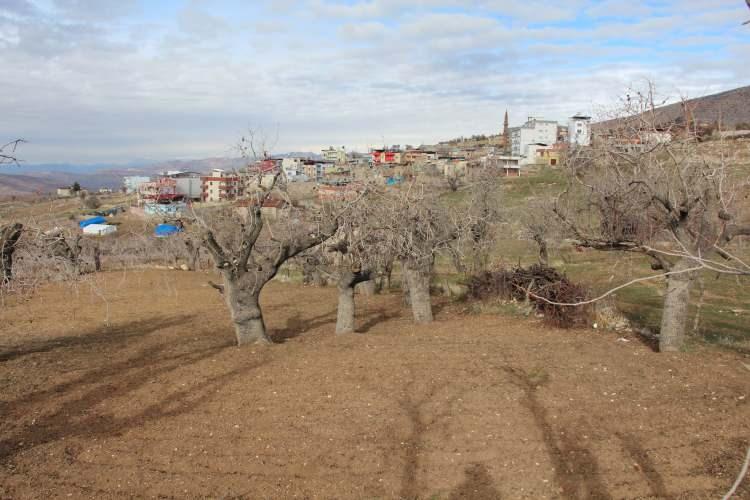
{"points": [[725, 312]]}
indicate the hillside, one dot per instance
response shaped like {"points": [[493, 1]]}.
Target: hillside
{"points": [[729, 108], [13, 185]]}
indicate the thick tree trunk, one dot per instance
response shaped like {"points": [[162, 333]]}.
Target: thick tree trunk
{"points": [[418, 281], [674, 315], [347, 281], [345, 310], [9, 236], [246, 315], [97, 258], [543, 254], [193, 255], [367, 287]]}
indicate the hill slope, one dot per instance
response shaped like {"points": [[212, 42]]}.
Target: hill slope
{"points": [[728, 108]]}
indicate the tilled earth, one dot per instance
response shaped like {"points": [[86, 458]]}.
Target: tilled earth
{"points": [[144, 395]]}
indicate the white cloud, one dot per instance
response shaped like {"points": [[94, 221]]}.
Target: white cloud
{"points": [[96, 85]]}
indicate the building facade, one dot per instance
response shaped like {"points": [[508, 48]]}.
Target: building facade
{"points": [[579, 130], [530, 135], [221, 185], [131, 182], [334, 155]]}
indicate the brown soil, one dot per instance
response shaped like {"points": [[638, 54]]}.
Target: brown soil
{"points": [[160, 403]]}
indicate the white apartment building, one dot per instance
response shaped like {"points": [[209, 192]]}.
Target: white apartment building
{"points": [[526, 138], [579, 130]]}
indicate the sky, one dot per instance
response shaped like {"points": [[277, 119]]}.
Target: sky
{"points": [[92, 81]]}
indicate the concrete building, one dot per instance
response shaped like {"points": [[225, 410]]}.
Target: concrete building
{"points": [[188, 184], [579, 130], [293, 168], [220, 185], [334, 155], [534, 132], [131, 182], [65, 192], [387, 156]]}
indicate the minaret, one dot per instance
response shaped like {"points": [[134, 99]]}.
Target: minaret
{"points": [[506, 139]]}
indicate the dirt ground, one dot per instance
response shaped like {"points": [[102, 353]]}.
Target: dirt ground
{"points": [[160, 403]]}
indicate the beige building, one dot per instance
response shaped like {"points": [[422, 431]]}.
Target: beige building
{"points": [[334, 155], [220, 185]]}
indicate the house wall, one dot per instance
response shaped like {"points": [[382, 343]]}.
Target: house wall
{"points": [[220, 188], [532, 132], [191, 187], [579, 131]]}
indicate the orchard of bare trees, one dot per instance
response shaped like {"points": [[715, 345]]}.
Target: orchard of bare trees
{"points": [[647, 187], [644, 186]]}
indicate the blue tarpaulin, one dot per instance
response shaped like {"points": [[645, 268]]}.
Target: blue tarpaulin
{"points": [[164, 230], [93, 220]]}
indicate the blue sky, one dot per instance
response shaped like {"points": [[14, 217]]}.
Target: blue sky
{"points": [[116, 80]]}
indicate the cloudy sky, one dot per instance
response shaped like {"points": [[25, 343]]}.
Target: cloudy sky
{"points": [[117, 80]]}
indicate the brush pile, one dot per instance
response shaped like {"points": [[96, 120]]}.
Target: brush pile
{"points": [[538, 285]]}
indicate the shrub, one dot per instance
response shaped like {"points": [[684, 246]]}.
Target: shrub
{"points": [[91, 202], [535, 284]]}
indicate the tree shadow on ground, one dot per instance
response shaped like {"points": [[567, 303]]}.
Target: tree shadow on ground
{"points": [[380, 316], [645, 464], [576, 468], [478, 485], [103, 336], [77, 402], [297, 325], [416, 411], [75, 408]]}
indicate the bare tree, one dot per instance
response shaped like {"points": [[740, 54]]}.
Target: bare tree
{"points": [[248, 253], [476, 224], [354, 255], [9, 236], [453, 182], [537, 226], [8, 152], [416, 227], [647, 187]]}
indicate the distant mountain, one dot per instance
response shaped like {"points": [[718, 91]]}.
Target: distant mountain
{"points": [[44, 178], [11, 185]]}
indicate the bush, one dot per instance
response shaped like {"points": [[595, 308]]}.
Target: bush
{"points": [[91, 202], [535, 284]]}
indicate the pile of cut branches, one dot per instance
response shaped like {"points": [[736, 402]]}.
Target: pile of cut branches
{"points": [[542, 286]]}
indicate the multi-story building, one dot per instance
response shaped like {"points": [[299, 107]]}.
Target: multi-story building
{"points": [[315, 170], [131, 182], [534, 132], [388, 156], [579, 130], [221, 185], [188, 184], [292, 167], [334, 155]]}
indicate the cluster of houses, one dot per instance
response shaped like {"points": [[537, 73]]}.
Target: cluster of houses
{"points": [[335, 172]]}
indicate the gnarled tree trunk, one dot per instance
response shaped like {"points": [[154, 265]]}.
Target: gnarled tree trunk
{"points": [[674, 315], [247, 316], [9, 236], [193, 255], [418, 281]]}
